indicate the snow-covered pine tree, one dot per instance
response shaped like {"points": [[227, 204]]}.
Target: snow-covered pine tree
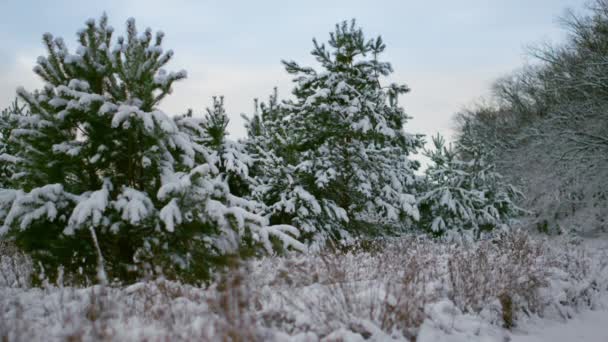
{"points": [[110, 183], [233, 160], [464, 196], [449, 203], [275, 181], [8, 121], [230, 157], [480, 162], [347, 130]]}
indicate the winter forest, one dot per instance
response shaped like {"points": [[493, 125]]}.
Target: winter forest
{"points": [[332, 220]]}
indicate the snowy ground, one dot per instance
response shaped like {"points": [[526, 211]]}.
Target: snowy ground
{"points": [[587, 325], [405, 289]]}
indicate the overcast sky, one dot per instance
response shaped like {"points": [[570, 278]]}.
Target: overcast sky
{"points": [[448, 52]]}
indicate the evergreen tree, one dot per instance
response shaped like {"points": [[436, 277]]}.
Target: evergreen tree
{"points": [[233, 160], [464, 196], [344, 151], [109, 182], [8, 122], [274, 173]]}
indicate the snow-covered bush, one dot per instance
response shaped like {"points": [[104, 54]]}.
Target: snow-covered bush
{"points": [[105, 183]]}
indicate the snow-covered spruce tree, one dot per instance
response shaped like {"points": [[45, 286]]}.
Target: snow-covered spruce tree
{"points": [[464, 196], [8, 121], [111, 184], [350, 171]]}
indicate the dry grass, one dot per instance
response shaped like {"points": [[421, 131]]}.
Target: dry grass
{"points": [[15, 267], [232, 307], [390, 284], [377, 290], [511, 269]]}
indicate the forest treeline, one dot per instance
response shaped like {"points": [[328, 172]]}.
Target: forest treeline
{"points": [[545, 127]]}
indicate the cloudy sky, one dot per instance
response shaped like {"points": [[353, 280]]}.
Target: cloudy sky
{"points": [[448, 52]]}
